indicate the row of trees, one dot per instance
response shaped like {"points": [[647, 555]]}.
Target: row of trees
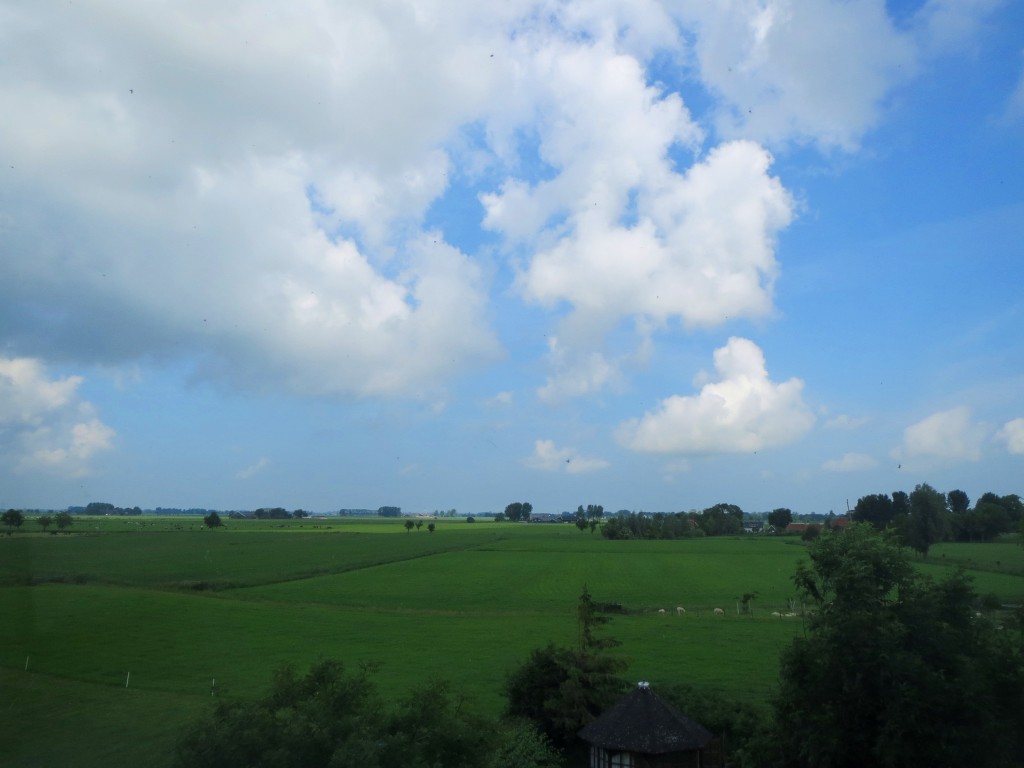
{"points": [[105, 508], [718, 520], [417, 524], [926, 516], [14, 519]]}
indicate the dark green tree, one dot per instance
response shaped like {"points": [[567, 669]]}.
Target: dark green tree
{"points": [[958, 501], [212, 520], [722, 520], [811, 532], [900, 505], [780, 518], [894, 669], [521, 745], [334, 718], [63, 520], [409, 525], [562, 689], [45, 521], [928, 520], [13, 519], [876, 509], [580, 518], [519, 511], [431, 527]]}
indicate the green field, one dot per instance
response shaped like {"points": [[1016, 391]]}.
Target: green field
{"points": [[167, 607]]}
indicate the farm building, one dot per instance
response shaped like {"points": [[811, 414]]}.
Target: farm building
{"points": [[643, 730]]}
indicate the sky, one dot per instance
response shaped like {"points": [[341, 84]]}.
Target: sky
{"points": [[451, 255]]}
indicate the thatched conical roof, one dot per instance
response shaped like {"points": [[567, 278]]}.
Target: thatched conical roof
{"points": [[644, 722]]}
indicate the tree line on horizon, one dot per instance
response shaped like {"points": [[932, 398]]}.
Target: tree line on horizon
{"points": [[926, 516]]}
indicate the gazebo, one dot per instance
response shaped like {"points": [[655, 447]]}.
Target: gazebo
{"points": [[643, 730]]}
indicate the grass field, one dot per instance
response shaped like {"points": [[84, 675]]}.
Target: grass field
{"points": [[168, 607]]}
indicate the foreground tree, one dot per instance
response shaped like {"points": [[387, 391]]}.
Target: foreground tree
{"points": [[63, 520], [895, 669], [45, 521], [521, 745], [562, 689], [334, 718], [212, 520]]}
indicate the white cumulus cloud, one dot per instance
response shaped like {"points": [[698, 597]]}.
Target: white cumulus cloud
{"points": [[806, 71], [549, 458], [1012, 434], [44, 425], [948, 435], [742, 409]]}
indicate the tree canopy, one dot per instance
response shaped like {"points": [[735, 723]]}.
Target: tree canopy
{"points": [[519, 511], [333, 717], [13, 519], [562, 689], [895, 669]]}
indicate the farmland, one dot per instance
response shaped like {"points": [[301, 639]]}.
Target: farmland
{"points": [[113, 636]]}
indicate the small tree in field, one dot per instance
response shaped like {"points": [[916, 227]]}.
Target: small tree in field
{"points": [[431, 527], [45, 521], [409, 525], [419, 524], [12, 518], [213, 520], [64, 520]]}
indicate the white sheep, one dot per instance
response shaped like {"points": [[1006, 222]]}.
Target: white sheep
{"points": [[719, 612], [680, 610]]}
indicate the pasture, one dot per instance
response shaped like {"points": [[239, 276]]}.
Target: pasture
{"points": [[168, 607]]}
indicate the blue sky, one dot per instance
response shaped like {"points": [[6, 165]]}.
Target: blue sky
{"points": [[648, 255]]}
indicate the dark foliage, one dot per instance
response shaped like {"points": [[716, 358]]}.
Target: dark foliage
{"points": [[660, 525], [334, 718], [895, 669], [562, 689], [518, 511]]}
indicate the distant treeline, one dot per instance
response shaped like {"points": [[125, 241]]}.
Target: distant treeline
{"points": [[102, 508], [721, 519], [263, 513]]}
